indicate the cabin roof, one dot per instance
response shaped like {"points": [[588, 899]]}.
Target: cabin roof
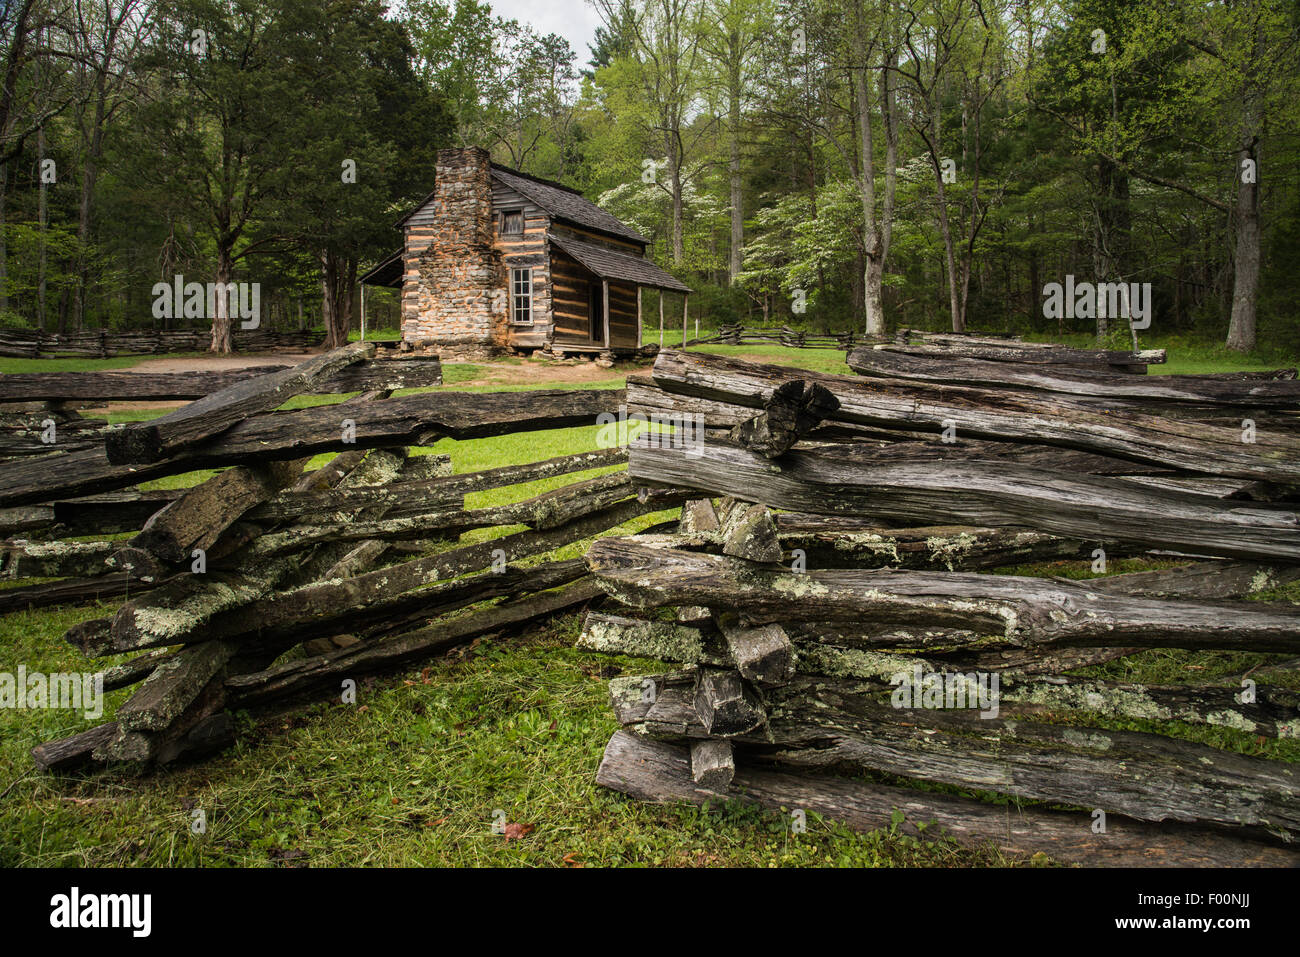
{"points": [[387, 272], [566, 204], [560, 201], [611, 264]]}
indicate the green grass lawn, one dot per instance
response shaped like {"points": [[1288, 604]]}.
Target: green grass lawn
{"points": [[9, 365], [1186, 356], [415, 771]]}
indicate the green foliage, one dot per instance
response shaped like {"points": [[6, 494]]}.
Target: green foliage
{"points": [[1064, 157]]}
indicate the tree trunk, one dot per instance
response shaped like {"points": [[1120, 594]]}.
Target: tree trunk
{"points": [[872, 240], [877, 227], [338, 279], [89, 173], [950, 257], [42, 214], [222, 338], [4, 245], [679, 246], [737, 198], [1245, 283]]}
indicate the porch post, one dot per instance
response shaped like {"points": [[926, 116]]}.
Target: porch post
{"points": [[363, 312], [661, 318], [638, 318], [685, 307], [604, 291]]}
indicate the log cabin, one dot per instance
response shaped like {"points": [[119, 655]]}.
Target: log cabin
{"points": [[496, 261]]}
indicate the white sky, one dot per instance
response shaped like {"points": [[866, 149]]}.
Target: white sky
{"points": [[575, 20]]}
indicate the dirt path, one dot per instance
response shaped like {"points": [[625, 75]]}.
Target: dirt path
{"points": [[548, 372], [218, 363], [525, 372]]}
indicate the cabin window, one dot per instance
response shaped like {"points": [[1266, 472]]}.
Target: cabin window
{"points": [[512, 222], [521, 296]]}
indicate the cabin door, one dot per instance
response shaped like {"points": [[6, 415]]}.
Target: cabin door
{"points": [[597, 312]]}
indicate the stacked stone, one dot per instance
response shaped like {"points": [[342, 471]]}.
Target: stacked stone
{"points": [[459, 267]]}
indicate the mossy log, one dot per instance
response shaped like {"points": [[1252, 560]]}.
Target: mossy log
{"points": [[889, 362], [660, 772], [213, 414], [407, 497], [993, 414], [407, 420], [1274, 712], [1076, 506], [548, 510], [135, 669], [198, 518], [24, 434], [820, 723], [1018, 353], [173, 685], [839, 542], [305, 675], [24, 559], [1028, 611], [750, 533], [402, 588], [186, 602]]}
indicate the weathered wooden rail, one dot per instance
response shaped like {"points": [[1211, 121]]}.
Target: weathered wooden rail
{"points": [[102, 344], [800, 637], [392, 372], [265, 581], [737, 335]]}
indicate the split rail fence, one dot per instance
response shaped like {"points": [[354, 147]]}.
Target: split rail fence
{"points": [[267, 583], [102, 344], [829, 601]]}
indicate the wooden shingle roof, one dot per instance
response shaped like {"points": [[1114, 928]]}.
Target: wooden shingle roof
{"points": [[610, 264], [566, 204]]}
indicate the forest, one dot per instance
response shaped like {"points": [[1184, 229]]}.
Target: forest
{"points": [[990, 166]]}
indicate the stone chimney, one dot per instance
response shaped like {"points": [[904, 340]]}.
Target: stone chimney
{"points": [[460, 271]]}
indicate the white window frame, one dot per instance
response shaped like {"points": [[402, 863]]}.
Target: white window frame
{"points": [[518, 293]]}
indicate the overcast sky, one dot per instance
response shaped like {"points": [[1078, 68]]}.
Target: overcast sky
{"points": [[575, 20]]}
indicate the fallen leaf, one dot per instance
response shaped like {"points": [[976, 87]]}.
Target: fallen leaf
{"points": [[516, 830]]}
